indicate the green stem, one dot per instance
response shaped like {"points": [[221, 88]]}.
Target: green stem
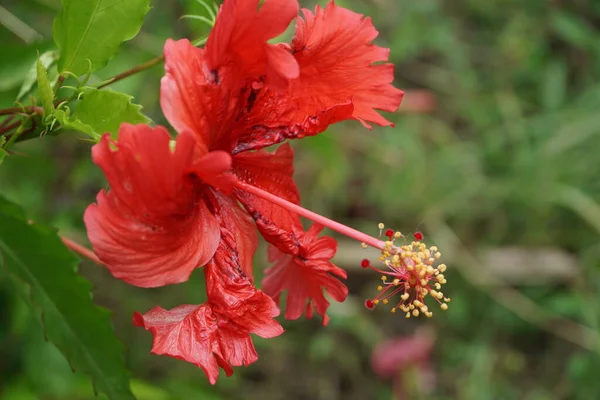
{"points": [[132, 71]]}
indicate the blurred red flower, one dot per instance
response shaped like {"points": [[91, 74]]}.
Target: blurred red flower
{"points": [[171, 210], [395, 358]]}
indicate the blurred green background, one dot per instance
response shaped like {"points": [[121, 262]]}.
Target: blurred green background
{"points": [[494, 157]]}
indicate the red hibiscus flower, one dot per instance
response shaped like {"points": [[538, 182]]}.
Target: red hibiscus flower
{"points": [[173, 209], [407, 361]]}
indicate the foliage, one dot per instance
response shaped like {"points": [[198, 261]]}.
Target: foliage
{"points": [[88, 33], [43, 271]]}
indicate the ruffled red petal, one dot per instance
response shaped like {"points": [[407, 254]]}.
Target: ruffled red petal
{"points": [[272, 172], [339, 79], [217, 333], [305, 276], [211, 168], [336, 57], [198, 335], [232, 294], [238, 235], [149, 229], [239, 38], [195, 99]]}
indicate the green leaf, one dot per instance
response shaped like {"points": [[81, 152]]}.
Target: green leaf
{"points": [[47, 59], [67, 122], [93, 30], [105, 110], [62, 300], [45, 89]]}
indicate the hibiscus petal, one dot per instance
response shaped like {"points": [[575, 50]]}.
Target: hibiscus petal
{"points": [[272, 172], [338, 80], [200, 336], [238, 235], [305, 276], [217, 333], [239, 40], [211, 169], [195, 99], [149, 229], [281, 66], [230, 289], [334, 50]]}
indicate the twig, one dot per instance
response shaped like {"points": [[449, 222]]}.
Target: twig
{"points": [[9, 127], [132, 71], [18, 110], [7, 120]]}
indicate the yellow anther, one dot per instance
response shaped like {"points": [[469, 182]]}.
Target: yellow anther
{"points": [[381, 225], [444, 306], [411, 267], [407, 315], [363, 245], [447, 299]]}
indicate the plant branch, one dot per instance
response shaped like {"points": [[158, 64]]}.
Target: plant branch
{"points": [[7, 121], [132, 71], [19, 110], [9, 127], [5, 127]]}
